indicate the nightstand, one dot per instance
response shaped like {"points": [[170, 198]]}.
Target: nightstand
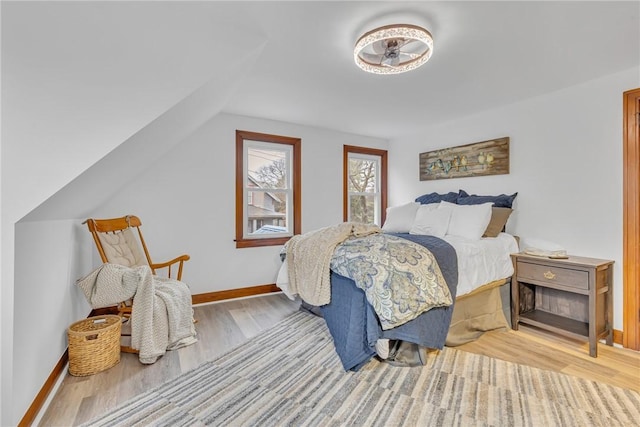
{"points": [[573, 296]]}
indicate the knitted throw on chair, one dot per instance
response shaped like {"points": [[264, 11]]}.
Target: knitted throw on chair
{"points": [[161, 317]]}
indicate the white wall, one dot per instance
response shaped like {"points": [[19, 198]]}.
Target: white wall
{"points": [[50, 256], [566, 165], [186, 201]]}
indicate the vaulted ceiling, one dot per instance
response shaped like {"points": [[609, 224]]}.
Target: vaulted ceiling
{"points": [[80, 79]]}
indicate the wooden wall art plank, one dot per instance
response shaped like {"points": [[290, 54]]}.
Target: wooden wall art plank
{"points": [[478, 159]]}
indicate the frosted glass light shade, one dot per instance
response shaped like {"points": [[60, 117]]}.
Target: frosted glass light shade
{"points": [[393, 49]]}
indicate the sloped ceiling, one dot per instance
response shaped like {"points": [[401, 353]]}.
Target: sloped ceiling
{"points": [[94, 92], [112, 172], [82, 78]]}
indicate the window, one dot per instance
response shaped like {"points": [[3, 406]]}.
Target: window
{"points": [[365, 184], [267, 189]]}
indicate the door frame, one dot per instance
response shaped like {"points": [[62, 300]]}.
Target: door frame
{"points": [[631, 219]]}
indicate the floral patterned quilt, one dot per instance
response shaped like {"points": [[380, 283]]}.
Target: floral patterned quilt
{"points": [[401, 279]]}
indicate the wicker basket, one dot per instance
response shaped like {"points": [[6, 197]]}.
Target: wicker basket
{"points": [[94, 344]]}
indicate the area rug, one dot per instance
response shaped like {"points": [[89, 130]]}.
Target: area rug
{"points": [[291, 376]]}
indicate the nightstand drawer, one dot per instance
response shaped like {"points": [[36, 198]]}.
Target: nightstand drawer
{"points": [[553, 275]]}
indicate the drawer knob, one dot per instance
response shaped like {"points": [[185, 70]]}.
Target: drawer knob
{"points": [[549, 275]]}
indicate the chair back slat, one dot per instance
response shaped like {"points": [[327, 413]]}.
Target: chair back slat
{"points": [[114, 224]]}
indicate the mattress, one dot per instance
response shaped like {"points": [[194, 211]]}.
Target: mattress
{"points": [[482, 261]]}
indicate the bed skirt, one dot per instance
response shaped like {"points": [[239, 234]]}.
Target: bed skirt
{"points": [[477, 312]]}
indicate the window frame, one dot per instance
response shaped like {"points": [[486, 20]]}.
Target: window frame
{"points": [[353, 149], [293, 144]]}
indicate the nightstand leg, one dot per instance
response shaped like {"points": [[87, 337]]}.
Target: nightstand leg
{"points": [[515, 303], [593, 334], [609, 297]]}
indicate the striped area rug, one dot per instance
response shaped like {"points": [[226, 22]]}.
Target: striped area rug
{"points": [[291, 375]]}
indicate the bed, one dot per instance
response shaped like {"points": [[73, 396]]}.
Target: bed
{"points": [[475, 271]]}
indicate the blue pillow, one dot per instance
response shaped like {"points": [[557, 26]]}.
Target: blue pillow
{"points": [[501, 201], [425, 199]]}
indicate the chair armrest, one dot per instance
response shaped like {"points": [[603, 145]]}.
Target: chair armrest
{"points": [[173, 261], [181, 259]]}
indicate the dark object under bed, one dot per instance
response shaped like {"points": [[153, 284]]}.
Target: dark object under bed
{"points": [[354, 324]]}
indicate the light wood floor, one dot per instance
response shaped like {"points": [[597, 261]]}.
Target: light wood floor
{"points": [[224, 325]]}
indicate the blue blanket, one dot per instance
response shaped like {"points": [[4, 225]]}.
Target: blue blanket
{"points": [[401, 279], [355, 327]]}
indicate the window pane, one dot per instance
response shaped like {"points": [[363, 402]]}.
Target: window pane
{"points": [[266, 212], [364, 184], [268, 190], [362, 175], [267, 168], [362, 209]]}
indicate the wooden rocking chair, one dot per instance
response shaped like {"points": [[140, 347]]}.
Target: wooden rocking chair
{"points": [[117, 243]]}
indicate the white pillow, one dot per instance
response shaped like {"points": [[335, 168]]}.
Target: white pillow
{"points": [[400, 218], [468, 221], [431, 221]]}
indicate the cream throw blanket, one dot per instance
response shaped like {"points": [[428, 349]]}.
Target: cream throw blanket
{"points": [[161, 317], [309, 258]]}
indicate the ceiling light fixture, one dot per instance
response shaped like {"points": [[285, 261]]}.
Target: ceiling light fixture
{"points": [[393, 49]]}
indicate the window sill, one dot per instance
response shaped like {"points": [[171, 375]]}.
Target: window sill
{"points": [[254, 243]]}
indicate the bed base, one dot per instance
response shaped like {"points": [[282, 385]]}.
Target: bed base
{"points": [[484, 309]]}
